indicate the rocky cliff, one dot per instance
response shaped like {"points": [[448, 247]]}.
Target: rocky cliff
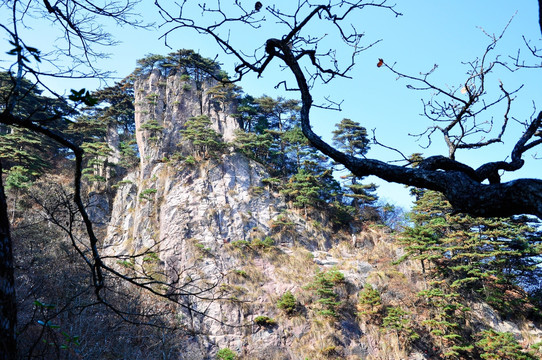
{"points": [[217, 228], [202, 219]]}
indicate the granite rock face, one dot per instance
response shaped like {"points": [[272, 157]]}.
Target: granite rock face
{"points": [[193, 215], [215, 226], [162, 107]]}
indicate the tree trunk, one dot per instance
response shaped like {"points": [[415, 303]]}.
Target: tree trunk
{"points": [[8, 308]]}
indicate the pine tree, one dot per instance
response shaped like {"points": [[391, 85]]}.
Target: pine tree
{"points": [[247, 114], [278, 116], [206, 141], [352, 139], [484, 256], [224, 94], [280, 113], [297, 149], [106, 132], [183, 61], [304, 189], [254, 145], [20, 147]]}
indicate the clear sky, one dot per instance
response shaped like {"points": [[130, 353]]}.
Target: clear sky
{"points": [[447, 33]]}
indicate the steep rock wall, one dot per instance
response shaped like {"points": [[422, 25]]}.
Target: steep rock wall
{"points": [[192, 214], [162, 107], [204, 221]]}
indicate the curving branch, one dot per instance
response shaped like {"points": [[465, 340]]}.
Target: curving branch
{"points": [[463, 186]]}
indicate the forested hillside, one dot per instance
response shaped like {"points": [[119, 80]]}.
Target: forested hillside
{"points": [[224, 234]]}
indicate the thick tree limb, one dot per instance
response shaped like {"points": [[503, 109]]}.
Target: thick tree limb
{"points": [[463, 186], [8, 300], [459, 183]]}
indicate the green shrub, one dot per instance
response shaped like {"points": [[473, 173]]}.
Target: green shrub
{"points": [[203, 248], [190, 160], [496, 345], [121, 183], [370, 302], [151, 125], [147, 194], [151, 257], [395, 318], [226, 354], [399, 320], [240, 244], [266, 243], [241, 273], [287, 302], [323, 286], [126, 263], [264, 320]]}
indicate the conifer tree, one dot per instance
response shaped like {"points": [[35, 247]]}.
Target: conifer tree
{"points": [[352, 139], [247, 114], [116, 111], [492, 259], [107, 133], [224, 94], [26, 155], [21, 147], [24, 149], [188, 62], [183, 61], [279, 113], [278, 116], [482, 256], [206, 141], [304, 189], [297, 147], [254, 145]]}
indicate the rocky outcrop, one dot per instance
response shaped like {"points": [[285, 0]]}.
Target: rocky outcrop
{"points": [[162, 107], [233, 246], [199, 219]]}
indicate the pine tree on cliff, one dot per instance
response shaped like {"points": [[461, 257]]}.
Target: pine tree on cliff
{"points": [[206, 141], [278, 116], [105, 129], [352, 139], [488, 259], [491, 257]]}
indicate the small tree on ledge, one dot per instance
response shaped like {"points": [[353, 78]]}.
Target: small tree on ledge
{"points": [[205, 141]]}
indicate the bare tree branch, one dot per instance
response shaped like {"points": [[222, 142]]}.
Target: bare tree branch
{"points": [[461, 184]]}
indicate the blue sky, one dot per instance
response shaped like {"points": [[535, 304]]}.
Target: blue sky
{"points": [[447, 33]]}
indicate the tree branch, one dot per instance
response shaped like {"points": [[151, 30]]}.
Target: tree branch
{"points": [[463, 186]]}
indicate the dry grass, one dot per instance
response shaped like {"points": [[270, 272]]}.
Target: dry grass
{"points": [[320, 341], [296, 267]]}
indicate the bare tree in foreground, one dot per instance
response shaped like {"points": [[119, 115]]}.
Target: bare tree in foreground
{"points": [[478, 192], [73, 56]]}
